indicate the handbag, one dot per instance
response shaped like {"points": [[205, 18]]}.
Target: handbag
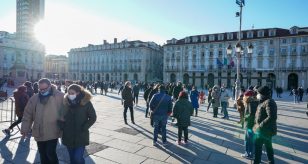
{"points": [[151, 113]]}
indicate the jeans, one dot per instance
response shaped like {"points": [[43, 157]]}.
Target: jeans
{"points": [[215, 111], [16, 123], [224, 109], [147, 110], [131, 113], [180, 130], [136, 99], [47, 150], [160, 122], [249, 142], [267, 141], [76, 155]]}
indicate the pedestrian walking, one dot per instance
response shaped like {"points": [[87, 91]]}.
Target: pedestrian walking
{"points": [[21, 99], [128, 100], [30, 90], [161, 108], [265, 124], [42, 115], [194, 95], [79, 116], [145, 96], [224, 97], [176, 91], [136, 90], [209, 99], [241, 108], [215, 100], [182, 111]]}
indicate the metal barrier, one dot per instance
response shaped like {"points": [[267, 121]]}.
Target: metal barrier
{"points": [[7, 110]]}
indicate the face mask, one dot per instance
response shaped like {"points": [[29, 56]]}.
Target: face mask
{"points": [[259, 96], [72, 97], [45, 93]]}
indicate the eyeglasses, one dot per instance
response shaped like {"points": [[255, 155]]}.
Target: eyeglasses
{"points": [[44, 89]]}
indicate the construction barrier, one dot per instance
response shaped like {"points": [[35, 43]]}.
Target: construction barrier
{"points": [[7, 110]]}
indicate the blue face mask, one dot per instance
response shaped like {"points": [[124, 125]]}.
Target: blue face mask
{"points": [[45, 93]]}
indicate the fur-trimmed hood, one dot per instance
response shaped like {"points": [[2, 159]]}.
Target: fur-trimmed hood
{"points": [[87, 97], [248, 99]]}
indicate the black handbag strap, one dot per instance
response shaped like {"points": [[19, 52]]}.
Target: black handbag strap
{"points": [[159, 103]]}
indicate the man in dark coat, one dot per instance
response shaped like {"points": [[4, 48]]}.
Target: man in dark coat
{"points": [[177, 90], [265, 124], [136, 89], [127, 97], [145, 96], [161, 107]]}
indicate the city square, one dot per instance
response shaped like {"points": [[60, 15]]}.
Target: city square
{"points": [[231, 75], [211, 140]]}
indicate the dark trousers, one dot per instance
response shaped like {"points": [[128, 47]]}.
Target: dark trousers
{"points": [[180, 130], [209, 105], [16, 123], [215, 111], [76, 155], [131, 113], [147, 110], [136, 99], [47, 150], [267, 141]]}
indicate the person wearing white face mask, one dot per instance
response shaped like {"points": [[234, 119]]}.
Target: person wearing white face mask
{"points": [[265, 126], [79, 116]]}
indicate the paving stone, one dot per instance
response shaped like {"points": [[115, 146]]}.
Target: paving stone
{"points": [[154, 153], [94, 159], [124, 145], [129, 131], [120, 156], [153, 161], [223, 158]]}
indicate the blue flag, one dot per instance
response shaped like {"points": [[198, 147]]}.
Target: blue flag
{"points": [[240, 2]]}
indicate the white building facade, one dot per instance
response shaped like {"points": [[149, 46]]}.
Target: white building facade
{"points": [[126, 60], [20, 60], [279, 58]]}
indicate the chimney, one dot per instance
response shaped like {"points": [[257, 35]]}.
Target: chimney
{"points": [[105, 41], [115, 40]]}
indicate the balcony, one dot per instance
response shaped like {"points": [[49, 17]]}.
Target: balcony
{"points": [[172, 69]]}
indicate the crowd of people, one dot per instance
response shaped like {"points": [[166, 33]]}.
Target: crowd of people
{"points": [[257, 110], [52, 110]]}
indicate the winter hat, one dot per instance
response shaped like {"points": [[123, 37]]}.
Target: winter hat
{"points": [[183, 94], [264, 90], [249, 93]]}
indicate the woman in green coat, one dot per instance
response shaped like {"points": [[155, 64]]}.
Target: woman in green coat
{"points": [[78, 118], [182, 111]]}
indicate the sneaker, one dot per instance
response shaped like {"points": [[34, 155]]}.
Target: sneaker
{"points": [[246, 156], [165, 143], [133, 122], [178, 142], [154, 143], [185, 142], [6, 132]]}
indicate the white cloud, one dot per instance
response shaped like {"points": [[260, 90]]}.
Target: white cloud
{"points": [[66, 27]]}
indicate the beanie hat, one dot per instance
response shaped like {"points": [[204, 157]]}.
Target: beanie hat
{"points": [[183, 94], [249, 93], [264, 90], [250, 87]]}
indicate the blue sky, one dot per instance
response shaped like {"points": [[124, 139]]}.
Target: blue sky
{"points": [[157, 20]]}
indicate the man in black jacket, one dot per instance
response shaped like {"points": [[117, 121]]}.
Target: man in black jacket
{"points": [[145, 96], [265, 126], [136, 89], [127, 97]]}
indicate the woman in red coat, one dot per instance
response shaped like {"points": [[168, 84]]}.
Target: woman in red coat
{"points": [[21, 100]]}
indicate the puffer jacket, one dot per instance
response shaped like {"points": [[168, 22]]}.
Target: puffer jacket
{"points": [[266, 118], [77, 121]]}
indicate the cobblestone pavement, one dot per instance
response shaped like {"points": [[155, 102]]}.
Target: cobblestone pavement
{"points": [[210, 140]]}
